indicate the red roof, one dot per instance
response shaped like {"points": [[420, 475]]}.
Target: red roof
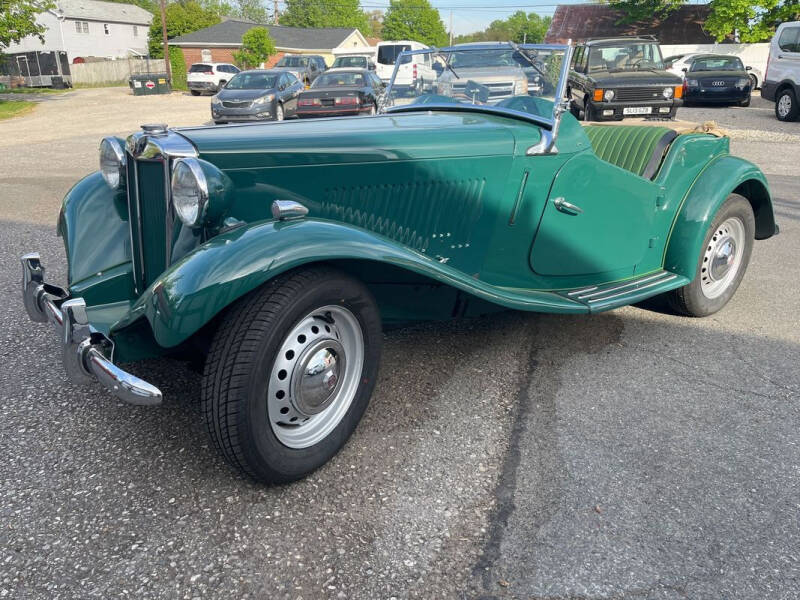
{"points": [[579, 22]]}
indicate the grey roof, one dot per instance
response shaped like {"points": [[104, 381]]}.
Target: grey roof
{"points": [[94, 10], [230, 32]]}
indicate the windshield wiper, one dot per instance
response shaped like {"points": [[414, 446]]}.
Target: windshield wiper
{"points": [[527, 57], [447, 64]]}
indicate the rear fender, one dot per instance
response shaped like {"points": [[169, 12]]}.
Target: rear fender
{"points": [[722, 177], [195, 289]]}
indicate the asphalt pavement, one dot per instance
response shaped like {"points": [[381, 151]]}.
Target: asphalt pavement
{"points": [[632, 454]]}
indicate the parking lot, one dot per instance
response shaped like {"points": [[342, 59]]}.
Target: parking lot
{"points": [[631, 454]]}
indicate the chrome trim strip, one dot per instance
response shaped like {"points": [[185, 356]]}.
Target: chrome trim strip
{"points": [[629, 284], [635, 289], [581, 291]]}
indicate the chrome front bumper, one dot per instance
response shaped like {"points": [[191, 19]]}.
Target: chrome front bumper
{"points": [[86, 353]]}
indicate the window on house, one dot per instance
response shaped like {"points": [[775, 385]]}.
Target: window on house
{"points": [[135, 31], [81, 27], [106, 29]]}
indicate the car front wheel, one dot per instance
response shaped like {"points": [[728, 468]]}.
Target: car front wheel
{"points": [[279, 112], [722, 263], [290, 373], [786, 108]]}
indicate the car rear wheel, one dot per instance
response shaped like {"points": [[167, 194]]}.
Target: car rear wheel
{"points": [[786, 108], [290, 373], [753, 81], [722, 263], [195, 92]]}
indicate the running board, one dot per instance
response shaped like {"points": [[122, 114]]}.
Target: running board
{"points": [[613, 295]]}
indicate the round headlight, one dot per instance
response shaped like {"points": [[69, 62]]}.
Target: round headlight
{"points": [[189, 191], [668, 93], [112, 162], [608, 96]]}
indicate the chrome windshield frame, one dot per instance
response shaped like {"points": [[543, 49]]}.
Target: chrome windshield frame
{"points": [[560, 102]]}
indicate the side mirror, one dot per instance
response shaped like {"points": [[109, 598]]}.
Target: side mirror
{"points": [[372, 66], [749, 68]]}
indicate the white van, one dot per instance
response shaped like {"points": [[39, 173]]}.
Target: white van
{"points": [[416, 72], [782, 78]]}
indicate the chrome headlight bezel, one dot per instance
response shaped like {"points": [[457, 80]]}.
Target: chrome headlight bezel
{"points": [[608, 95], [189, 188], [263, 100], [668, 93], [112, 162]]}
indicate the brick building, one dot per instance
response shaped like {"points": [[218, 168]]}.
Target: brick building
{"points": [[218, 42]]}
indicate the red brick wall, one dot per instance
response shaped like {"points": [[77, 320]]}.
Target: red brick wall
{"points": [[195, 55]]}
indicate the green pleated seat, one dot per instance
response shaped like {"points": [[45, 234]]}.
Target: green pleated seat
{"points": [[636, 148]]}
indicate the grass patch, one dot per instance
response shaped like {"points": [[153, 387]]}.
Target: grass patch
{"points": [[27, 90], [14, 108], [104, 84]]}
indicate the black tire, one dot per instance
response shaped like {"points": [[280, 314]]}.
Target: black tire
{"points": [[793, 111], [690, 300], [195, 92], [745, 103], [753, 82], [576, 112], [588, 111], [243, 352], [220, 122]]}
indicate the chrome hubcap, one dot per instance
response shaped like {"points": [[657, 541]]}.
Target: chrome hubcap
{"points": [[784, 105], [315, 376], [722, 258]]}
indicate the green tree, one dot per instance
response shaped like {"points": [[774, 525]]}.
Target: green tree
{"points": [[18, 20], [182, 17], [325, 13], [375, 19], [414, 20], [519, 27], [257, 47], [644, 10], [252, 10]]}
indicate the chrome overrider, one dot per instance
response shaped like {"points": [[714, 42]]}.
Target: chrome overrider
{"points": [[87, 354]]}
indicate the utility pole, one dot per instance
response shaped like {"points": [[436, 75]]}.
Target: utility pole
{"points": [[166, 42], [275, 12], [451, 27]]}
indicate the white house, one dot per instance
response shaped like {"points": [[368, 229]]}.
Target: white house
{"points": [[90, 29]]}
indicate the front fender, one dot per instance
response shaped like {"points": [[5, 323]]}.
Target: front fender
{"points": [[94, 225], [195, 289], [721, 177]]}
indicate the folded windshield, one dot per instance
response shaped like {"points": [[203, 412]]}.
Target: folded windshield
{"points": [[506, 76]]}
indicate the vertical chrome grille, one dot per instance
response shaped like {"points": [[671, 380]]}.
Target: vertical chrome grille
{"points": [[150, 213]]}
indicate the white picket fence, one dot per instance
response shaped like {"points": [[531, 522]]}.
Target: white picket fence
{"points": [[114, 71]]}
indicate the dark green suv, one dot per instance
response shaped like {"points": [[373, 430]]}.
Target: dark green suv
{"points": [[611, 79]]}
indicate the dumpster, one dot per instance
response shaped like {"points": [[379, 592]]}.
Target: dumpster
{"points": [[147, 84]]}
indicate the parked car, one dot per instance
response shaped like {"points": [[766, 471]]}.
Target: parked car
{"points": [[209, 77], [353, 61], [615, 78], [257, 95], [676, 64], [275, 251], [482, 73], [306, 67], [782, 78], [716, 79], [414, 72], [339, 93]]}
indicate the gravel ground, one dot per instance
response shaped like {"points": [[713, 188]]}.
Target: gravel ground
{"points": [[634, 454]]}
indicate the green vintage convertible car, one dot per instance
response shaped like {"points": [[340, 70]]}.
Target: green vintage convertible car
{"points": [[278, 251]]}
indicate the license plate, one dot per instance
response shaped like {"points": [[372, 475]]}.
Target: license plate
{"points": [[636, 110]]}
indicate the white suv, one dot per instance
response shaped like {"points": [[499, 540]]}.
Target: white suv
{"points": [[209, 77], [782, 79]]}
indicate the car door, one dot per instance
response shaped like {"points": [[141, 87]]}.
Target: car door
{"points": [[598, 219], [289, 89], [787, 65]]}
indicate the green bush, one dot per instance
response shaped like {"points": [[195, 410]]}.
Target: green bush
{"points": [[178, 65]]}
